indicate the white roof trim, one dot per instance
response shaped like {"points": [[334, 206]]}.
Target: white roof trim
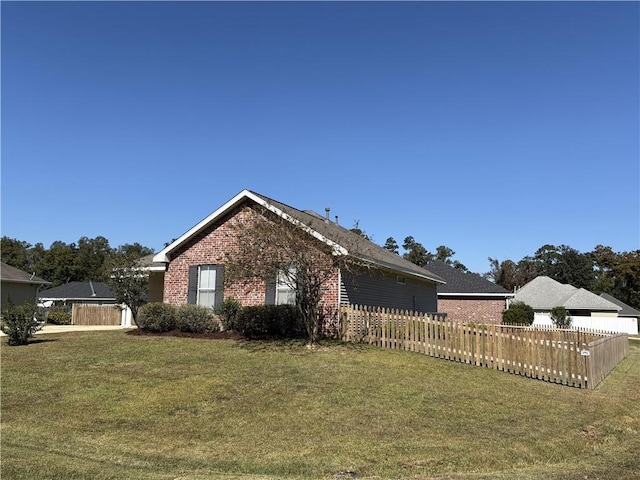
{"points": [[164, 254]]}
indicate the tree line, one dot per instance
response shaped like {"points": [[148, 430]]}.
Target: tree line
{"points": [[84, 260], [599, 271]]}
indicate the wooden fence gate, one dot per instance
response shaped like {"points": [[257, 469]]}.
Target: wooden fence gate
{"points": [[85, 314]]}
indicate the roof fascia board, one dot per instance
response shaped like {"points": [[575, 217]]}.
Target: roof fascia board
{"points": [[397, 271], [164, 254], [449, 294], [27, 282]]}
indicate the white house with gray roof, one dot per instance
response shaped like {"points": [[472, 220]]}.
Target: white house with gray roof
{"points": [[587, 309]]}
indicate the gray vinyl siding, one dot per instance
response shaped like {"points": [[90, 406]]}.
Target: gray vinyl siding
{"points": [[18, 293], [379, 289]]}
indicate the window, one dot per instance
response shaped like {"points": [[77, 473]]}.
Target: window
{"points": [[401, 280], [285, 287], [205, 285]]}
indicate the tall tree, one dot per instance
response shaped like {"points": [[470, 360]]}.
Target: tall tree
{"points": [[15, 253], [503, 273], [604, 259], [358, 231], [58, 264], [627, 278], [90, 259], [444, 254], [134, 249], [565, 265], [391, 245], [415, 252]]}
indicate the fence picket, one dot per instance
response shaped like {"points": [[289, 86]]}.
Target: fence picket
{"points": [[547, 354]]}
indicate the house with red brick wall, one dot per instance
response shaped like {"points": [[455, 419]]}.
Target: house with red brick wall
{"points": [[468, 297], [193, 264]]}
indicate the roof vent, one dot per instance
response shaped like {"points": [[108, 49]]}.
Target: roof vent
{"points": [[327, 210]]}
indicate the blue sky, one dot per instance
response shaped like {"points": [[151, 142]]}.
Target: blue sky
{"points": [[490, 127]]}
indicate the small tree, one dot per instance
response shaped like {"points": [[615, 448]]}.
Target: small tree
{"points": [[560, 317], [20, 322], [268, 245], [518, 313], [129, 282]]}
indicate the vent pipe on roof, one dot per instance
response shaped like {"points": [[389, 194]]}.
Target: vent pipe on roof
{"points": [[327, 210], [336, 219]]}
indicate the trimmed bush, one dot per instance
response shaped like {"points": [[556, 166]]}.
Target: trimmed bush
{"points": [[157, 317], [279, 321], [560, 317], [58, 316], [518, 313], [228, 313], [197, 319], [20, 323]]}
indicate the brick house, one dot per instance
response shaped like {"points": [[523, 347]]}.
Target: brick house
{"points": [[193, 264], [468, 297]]}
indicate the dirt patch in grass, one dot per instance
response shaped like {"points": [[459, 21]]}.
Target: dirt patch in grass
{"points": [[177, 333]]}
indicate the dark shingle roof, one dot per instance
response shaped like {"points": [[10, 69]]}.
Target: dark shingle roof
{"points": [[77, 290], [15, 275], [462, 282], [340, 238], [626, 311], [357, 245]]}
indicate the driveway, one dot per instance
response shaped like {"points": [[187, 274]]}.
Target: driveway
{"points": [[73, 328]]}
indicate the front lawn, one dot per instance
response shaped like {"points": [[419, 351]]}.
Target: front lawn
{"points": [[107, 405]]}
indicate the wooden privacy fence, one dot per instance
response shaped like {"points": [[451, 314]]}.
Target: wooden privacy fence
{"points": [[571, 357], [86, 314]]}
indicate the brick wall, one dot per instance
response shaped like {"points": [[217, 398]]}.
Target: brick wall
{"points": [[208, 248], [477, 310]]}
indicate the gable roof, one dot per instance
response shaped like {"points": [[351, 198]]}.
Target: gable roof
{"points": [[15, 275], [464, 283], [340, 239], [544, 293], [79, 291], [626, 311]]}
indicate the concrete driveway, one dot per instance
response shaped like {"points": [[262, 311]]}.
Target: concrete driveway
{"points": [[73, 328]]}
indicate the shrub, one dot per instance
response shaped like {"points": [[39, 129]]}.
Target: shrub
{"points": [[20, 322], [518, 313], [59, 316], [280, 321], [560, 317], [228, 313], [197, 319], [157, 317]]}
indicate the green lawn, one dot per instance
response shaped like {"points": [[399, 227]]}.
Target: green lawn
{"points": [[106, 405]]}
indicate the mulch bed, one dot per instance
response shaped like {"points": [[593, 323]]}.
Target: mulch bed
{"points": [[178, 333]]}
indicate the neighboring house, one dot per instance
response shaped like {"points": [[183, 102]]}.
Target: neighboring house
{"points": [[586, 309], [86, 296], [96, 293], [468, 297], [194, 264], [19, 286], [626, 312]]}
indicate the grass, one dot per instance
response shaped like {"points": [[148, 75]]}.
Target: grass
{"points": [[106, 405]]}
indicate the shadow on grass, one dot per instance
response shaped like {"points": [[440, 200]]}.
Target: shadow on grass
{"points": [[297, 345], [33, 341]]}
